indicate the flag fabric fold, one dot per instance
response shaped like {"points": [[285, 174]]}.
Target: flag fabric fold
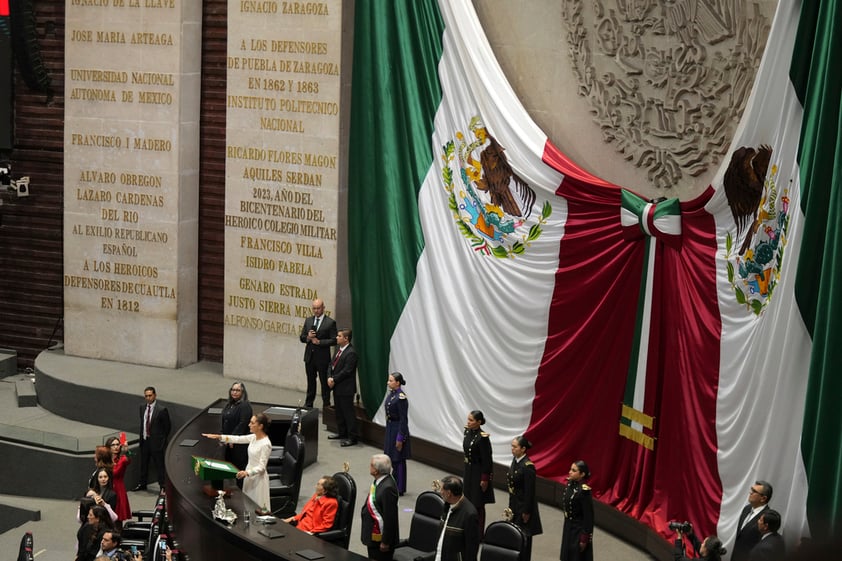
{"points": [[655, 340]]}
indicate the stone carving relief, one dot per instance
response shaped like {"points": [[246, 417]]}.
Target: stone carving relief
{"points": [[667, 80]]}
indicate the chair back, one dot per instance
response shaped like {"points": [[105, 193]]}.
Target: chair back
{"points": [[276, 457], [294, 422], [340, 533], [293, 464], [284, 491], [503, 541], [425, 527]]}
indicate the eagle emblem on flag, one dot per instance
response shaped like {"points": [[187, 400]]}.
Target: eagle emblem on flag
{"points": [[490, 202], [754, 266]]}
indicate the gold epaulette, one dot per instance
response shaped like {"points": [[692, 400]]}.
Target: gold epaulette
{"points": [[484, 434], [401, 395], [585, 487], [528, 463]]}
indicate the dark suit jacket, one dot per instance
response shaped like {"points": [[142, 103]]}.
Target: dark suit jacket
{"points": [[386, 503], [462, 534], [344, 373], [159, 428], [770, 548], [326, 334], [748, 536], [521, 482]]}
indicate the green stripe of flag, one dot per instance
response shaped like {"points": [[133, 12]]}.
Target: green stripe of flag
{"points": [[395, 95], [816, 77]]}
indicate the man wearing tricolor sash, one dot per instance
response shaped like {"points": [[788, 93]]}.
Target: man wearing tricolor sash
{"points": [[380, 530]]}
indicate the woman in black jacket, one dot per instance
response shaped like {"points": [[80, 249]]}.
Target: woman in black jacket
{"points": [[577, 505], [522, 502], [478, 486], [235, 420], [89, 536]]}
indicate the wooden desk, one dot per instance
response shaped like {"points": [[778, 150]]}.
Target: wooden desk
{"points": [[203, 538]]}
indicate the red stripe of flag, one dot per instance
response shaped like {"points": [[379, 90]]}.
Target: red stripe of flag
{"points": [[582, 375]]}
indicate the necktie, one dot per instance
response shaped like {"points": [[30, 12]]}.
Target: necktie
{"points": [[336, 358], [148, 422], [748, 518], [316, 324]]}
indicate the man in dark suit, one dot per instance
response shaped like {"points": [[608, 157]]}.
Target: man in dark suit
{"points": [[380, 532], [771, 546], [342, 378], [318, 335], [154, 431], [748, 534], [460, 529]]}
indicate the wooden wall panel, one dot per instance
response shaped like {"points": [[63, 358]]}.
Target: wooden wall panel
{"points": [[31, 292]]}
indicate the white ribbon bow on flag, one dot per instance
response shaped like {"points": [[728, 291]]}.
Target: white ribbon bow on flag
{"points": [[653, 221], [660, 219]]}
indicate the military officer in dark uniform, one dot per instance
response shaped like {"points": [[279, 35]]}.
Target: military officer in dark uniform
{"points": [[577, 505], [478, 486], [396, 444], [522, 503]]}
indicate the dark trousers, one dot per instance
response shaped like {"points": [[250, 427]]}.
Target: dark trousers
{"points": [[150, 456], [377, 555], [316, 371], [346, 417]]}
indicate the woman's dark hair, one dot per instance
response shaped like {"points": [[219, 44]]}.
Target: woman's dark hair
{"points": [[108, 485], [398, 378], [583, 469], [244, 396], [262, 419], [111, 441], [478, 416], [330, 486], [714, 546], [102, 517], [522, 442]]}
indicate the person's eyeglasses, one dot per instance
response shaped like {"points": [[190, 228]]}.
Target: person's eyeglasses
{"points": [[755, 492], [149, 395]]}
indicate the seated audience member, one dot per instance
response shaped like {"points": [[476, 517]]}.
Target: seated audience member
{"points": [[102, 459], [89, 536], [771, 546], [100, 495], [320, 511], [110, 546]]}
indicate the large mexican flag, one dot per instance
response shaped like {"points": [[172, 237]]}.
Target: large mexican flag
{"points": [[645, 338]]}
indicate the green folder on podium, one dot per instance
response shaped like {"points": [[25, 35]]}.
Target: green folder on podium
{"points": [[210, 469]]}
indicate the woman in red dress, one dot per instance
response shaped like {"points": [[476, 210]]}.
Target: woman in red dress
{"points": [[121, 463]]}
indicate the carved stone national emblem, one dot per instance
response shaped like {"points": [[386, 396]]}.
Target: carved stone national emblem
{"points": [[667, 80]]}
